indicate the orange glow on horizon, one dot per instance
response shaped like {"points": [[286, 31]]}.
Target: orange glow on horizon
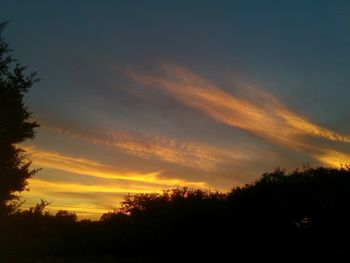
{"points": [[83, 195], [334, 158]]}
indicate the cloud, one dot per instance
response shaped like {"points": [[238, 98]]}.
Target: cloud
{"points": [[190, 154], [333, 158], [54, 160], [263, 116], [83, 201], [256, 112], [84, 196]]}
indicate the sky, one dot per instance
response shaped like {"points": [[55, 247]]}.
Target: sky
{"points": [[141, 96]]}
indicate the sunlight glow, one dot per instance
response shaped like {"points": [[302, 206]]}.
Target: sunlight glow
{"points": [[334, 158]]}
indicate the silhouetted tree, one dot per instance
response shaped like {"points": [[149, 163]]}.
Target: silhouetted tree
{"points": [[15, 125]]}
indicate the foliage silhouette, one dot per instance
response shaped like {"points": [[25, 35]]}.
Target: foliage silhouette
{"points": [[15, 125], [298, 216]]}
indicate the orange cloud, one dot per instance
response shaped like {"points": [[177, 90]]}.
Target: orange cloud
{"points": [[62, 197], [85, 199], [267, 118], [53, 160], [333, 158], [190, 154]]}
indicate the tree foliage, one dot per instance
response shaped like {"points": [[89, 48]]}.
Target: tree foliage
{"points": [[15, 124]]}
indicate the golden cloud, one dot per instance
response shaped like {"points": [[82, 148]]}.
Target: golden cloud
{"points": [[89, 206], [54, 160], [116, 183], [267, 118], [333, 158], [196, 155]]}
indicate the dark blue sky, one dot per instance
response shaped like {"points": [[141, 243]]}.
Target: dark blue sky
{"points": [[207, 92]]}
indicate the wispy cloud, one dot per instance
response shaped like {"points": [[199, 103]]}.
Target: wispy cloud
{"points": [[90, 200], [333, 158], [87, 201], [266, 117], [57, 161], [190, 154]]}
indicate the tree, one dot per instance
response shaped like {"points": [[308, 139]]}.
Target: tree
{"points": [[15, 125]]}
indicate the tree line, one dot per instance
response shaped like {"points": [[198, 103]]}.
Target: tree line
{"points": [[302, 215]]}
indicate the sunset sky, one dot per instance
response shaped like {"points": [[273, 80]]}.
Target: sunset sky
{"points": [[140, 96]]}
